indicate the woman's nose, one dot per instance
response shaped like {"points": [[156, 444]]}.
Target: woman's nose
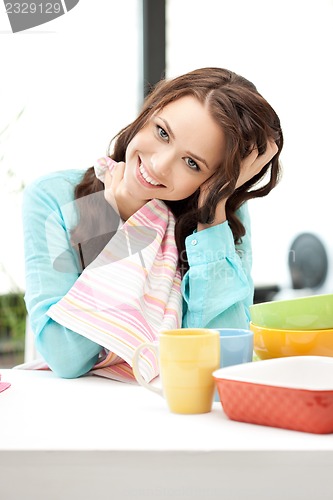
{"points": [[160, 164]]}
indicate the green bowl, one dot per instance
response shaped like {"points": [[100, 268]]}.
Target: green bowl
{"points": [[314, 312]]}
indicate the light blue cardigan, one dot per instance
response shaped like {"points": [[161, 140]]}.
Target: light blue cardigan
{"points": [[217, 289]]}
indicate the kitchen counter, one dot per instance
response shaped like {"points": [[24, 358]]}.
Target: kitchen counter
{"points": [[90, 437]]}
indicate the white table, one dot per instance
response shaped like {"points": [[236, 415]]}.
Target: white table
{"points": [[92, 437]]}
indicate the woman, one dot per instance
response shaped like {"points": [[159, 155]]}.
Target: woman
{"points": [[200, 144]]}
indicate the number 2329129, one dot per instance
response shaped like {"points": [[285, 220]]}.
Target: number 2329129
{"points": [[32, 8]]}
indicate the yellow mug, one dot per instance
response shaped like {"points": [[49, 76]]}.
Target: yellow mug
{"points": [[187, 359]]}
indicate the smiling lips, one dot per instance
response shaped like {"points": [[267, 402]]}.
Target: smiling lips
{"points": [[145, 177]]}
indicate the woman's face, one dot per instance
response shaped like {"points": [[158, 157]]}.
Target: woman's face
{"points": [[177, 150]]}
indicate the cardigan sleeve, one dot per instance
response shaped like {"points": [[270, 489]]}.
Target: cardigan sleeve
{"points": [[51, 270], [218, 289]]}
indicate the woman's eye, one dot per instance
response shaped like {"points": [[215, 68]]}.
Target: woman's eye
{"points": [[162, 133], [192, 164]]}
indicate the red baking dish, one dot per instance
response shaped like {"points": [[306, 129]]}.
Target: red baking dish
{"points": [[293, 393]]}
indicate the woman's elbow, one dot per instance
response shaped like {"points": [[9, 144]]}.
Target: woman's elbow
{"points": [[68, 354], [70, 370]]}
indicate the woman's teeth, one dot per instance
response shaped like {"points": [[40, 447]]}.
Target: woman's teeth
{"points": [[146, 177]]}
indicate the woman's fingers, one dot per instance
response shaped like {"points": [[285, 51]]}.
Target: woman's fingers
{"points": [[112, 180], [117, 174], [270, 152], [254, 163]]}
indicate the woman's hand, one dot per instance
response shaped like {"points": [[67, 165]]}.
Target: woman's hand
{"points": [[250, 166], [254, 163], [116, 194]]}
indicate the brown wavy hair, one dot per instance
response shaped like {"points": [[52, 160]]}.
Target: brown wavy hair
{"points": [[247, 121]]}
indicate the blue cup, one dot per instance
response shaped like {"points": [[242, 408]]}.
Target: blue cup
{"points": [[236, 347]]}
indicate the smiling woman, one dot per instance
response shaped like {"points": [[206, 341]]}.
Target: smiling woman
{"points": [[178, 158], [162, 238]]}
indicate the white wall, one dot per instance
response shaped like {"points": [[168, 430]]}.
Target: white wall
{"points": [[78, 79]]}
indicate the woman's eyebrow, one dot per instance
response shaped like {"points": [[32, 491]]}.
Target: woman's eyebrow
{"points": [[169, 130], [167, 126], [198, 158]]}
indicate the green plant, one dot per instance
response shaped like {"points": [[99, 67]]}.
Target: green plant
{"points": [[12, 316]]}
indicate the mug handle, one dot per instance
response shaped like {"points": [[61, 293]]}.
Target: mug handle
{"points": [[136, 371]]}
